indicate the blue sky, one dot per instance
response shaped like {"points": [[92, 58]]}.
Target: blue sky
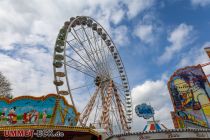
{"points": [[154, 38], [169, 16]]}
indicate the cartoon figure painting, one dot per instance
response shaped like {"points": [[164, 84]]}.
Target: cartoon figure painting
{"points": [[31, 117], [3, 115], [44, 117], [189, 93], [25, 118], [12, 117], [36, 117]]}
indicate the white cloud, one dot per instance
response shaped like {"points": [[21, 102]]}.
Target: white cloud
{"points": [[121, 35], [24, 76], [136, 7], [117, 15], [23, 19], [195, 56], [156, 94], [145, 33], [201, 3], [179, 38], [8, 38], [149, 29]]}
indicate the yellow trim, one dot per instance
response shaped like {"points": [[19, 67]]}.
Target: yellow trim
{"points": [[52, 120]]}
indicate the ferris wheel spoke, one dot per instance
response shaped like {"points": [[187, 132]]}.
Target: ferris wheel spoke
{"points": [[121, 89], [80, 67], [120, 86], [77, 65], [83, 86], [84, 56], [100, 62], [79, 70], [110, 61], [101, 54], [87, 53], [81, 52], [90, 44], [124, 83], [81, 57], [97, 51], [104, 56], [123, 98], [104, 69], [81, 64]]}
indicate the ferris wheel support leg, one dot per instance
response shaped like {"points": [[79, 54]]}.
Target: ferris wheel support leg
{"points": [[121, 111], [84, 117], [105, 118], [102, 95]]}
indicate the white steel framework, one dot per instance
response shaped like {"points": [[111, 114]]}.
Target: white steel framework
{"points": [[87, 61]]}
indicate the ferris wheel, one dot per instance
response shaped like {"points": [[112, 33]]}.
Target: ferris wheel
{"points": [[88, 68]]}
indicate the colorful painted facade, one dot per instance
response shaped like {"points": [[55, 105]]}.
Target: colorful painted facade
{"points": [[190, 93], [46, 110]]}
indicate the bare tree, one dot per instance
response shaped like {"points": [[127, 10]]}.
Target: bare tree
{"points": [[5, 87]]}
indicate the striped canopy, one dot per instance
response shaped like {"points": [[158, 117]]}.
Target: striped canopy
{"points": [[154, 125]]}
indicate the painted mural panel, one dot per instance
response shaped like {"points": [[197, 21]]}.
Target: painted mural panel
{"points": [[32, 110], [65, 115], [189, 90]]}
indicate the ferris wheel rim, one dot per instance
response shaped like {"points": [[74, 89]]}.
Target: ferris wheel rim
{"points": [[126, 90]]}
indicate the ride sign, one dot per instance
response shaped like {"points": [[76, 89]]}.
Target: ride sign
{"points": [[144, 110]]}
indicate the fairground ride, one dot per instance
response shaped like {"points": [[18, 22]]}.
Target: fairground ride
{"points": [[87, 61]]}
